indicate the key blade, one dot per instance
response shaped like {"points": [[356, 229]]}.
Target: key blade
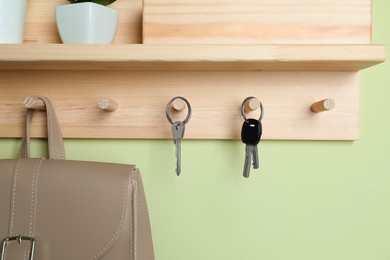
{"points": [[255, 157], [178, 157], [247, 164], [177, 134]]}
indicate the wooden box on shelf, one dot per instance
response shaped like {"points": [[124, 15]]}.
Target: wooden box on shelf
{"points": [[257, 22]]}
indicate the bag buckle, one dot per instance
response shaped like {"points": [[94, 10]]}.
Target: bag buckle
{"points": [[19, 240]]}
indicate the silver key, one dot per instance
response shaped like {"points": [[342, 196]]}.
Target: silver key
{"points": [[248, 159], [250, 153], [255, 155], [177, 134]]}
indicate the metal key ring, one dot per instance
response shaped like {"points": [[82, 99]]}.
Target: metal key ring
{"points": [[243, 108], [185, 121]]}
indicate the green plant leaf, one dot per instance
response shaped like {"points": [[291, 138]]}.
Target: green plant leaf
{"points": [[103, 2], [79, 1]]}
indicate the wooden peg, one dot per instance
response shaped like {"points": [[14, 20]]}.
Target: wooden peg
{"points": [[323, 105], [108, 104], [179, 105], [251, 105], [36, 104]]}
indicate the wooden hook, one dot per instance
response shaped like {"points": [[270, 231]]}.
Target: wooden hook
{"points": [[251, 105], [179, 105], [323, 105], [36, 104], [108, 104]]}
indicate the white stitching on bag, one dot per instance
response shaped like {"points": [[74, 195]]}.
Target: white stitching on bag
{"points": [[14, 197], [121, 222], [13, 202], [49, 124], [132, 221], [49, 109], [51, 128], [33, 190], [146, 215]]}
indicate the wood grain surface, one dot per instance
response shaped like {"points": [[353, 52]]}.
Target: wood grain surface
{"points": [[190, 57], [257, 22], [215, 97]]}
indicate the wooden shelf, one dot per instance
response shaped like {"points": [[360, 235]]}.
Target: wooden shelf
{"points": [[215, 79], [298, 57]]}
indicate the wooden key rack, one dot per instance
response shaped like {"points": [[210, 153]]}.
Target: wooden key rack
{"points": [[137, 80]]}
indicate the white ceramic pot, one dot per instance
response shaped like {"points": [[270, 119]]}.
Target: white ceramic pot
{"points": [[12, 15], [86, 23]]}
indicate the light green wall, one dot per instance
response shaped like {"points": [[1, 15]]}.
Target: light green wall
{"points": [[309, 200]]}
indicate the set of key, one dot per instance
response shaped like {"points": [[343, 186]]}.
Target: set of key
{"points": [[250, 135], [251, 132]]}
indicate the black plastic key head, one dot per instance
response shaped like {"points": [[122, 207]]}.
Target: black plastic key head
{"points": [[251, 131]]}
